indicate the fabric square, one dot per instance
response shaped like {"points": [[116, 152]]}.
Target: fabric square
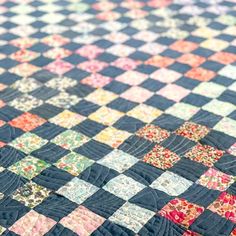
{"points": [[137, 94], [25, 102], [204, 154], [70, 139], [200, 74], [228, 71], [223, 57], [123, 186], [29, 167], [92, 66], [132, 216], [160, 61], [118, 160], [59, 67], [125, 63], [74, 163], [182, 212], [27, 121], [55, 40], [214, 44], [31, 194], [24, 69], [219, 108], [209, 89], [26, 85], [82, 221], [32, 223], [96, 80], [77, 190], [171, 183], [227, 126], [90, 51], [28, 142], [183, 46], [101, 97], [132, 78], [144, 113], [161, 157], [63, 100], [67, 119], [61, 83], [57, 53], [173, 92], [106, 116], [215, 179], [192, 131], [165, 75], [153, 133], [225, 206], [121, 50], [182, 110], [191, 59], [112, 136]]}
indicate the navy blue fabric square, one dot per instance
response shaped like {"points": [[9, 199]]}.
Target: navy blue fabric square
{"points": [[151, 199], [189, 169], [129, 124], [53, 178], [214, 225], [136, 146], [46, 111], [116, 87], [11, 211], [56, 207], [84, 108], [98, 175], [143, 172], [103, 203], [50, 152], [159, 102], [152, 85], [196, 100], [94, 150], [122, 104], [8, 113], [9, 156], [9, 133], [48, 130]]}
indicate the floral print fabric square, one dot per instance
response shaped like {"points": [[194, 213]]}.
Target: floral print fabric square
{"points": [[215, 179], [153, 133], [161, 157], [181, 211], [205, 154]]}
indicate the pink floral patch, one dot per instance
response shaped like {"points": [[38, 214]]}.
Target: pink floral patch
{"points": [[92, 66], [32, 224], [90, 51], [96, 80], [125, 63], [215, 179], [55, 40], [137, 94], [59, 67], [82, 221]]}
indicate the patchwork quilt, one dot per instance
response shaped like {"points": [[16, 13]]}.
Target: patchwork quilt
{"points": [[117, 118]]}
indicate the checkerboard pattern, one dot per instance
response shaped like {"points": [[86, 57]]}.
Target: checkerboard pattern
{"points": [[118, 117]]}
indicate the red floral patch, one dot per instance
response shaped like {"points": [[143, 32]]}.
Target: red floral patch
{"points": [[192, 131], [181, 211], [153, 133], [223, 57], [161, 157], [160, 61], [205, 154], [184, 46], [191, 60]]}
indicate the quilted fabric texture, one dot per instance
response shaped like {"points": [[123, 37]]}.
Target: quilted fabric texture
{"points": [[117, 117]]}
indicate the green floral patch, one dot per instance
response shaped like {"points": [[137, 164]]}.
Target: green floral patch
{"points": [[74, 163], [70, 139], [28, 142], [29, 167], [31, 194]]}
